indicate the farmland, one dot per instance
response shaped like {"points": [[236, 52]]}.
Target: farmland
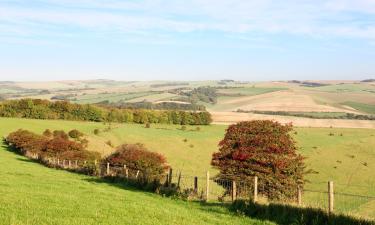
{"points": [[290, 96], [345, 156]]}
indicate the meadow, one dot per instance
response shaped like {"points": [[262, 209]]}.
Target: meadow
{"points": [[345, 156], [34, 194]]}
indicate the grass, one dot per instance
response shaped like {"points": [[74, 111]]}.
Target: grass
{"points": [[111, 97], [361, 107], [345, 88], [346, 156], [34, 194], [250, 91]]}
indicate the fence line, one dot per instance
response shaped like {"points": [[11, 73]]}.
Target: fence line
{"points": [[216, 189]]}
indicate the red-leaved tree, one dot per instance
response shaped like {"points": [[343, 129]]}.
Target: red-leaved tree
{"points": [[262, 148]]}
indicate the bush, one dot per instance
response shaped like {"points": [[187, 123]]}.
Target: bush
{"points": [[109, 143], [47, 133], [75, 134], [84, 142], [147, 125], [183, 127], [265, 149], [136, 157], [96, 131], [60, 134], [27, 142]]}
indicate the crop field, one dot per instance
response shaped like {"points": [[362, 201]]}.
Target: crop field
{"points": [[362, 107], [345, 156], [249, 91], [356, 87], [111, 97]]}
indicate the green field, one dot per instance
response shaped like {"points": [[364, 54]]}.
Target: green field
{"points": [[249, 91], [111, 97], [361, 106], [360, 87], [34, 194], [346, 156]]}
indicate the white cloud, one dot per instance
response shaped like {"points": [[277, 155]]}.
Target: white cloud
{"points": [[332, 18]]}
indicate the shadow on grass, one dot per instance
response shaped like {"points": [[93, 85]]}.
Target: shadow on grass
{"points": [[287, 214]]}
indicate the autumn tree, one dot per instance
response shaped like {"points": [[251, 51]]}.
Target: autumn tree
{"points": [[265, 149]]}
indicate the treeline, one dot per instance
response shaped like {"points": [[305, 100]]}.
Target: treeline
{"points": [[313, 115], [154, 106], [204, 94], [44, 109], [169, 84]]}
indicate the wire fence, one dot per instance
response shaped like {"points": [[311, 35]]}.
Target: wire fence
{"points": [[346, 199]]}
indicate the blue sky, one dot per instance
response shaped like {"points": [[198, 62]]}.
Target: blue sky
{"points": [[187, 39]]}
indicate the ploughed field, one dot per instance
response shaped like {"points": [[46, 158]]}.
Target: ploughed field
{"points": [[345, 156]]}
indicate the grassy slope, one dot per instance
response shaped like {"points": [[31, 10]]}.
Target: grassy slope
{"points": [[361, 106], [323, 152], [34, 194]]}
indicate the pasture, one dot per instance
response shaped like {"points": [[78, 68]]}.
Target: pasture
{"points": [[34, 194], [346, 156]]}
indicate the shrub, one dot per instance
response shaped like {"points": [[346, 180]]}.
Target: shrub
{"points": [[76, 134], [109, 142], [47, 133], [183, 127], [27, 142], [198, 129], [60, 134], [136, 157], [96, 131], [84, 142], [147, 125], [265, 149]]}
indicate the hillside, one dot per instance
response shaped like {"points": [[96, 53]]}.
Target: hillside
{"points": [[345, 156], [34, 194], [222, 99]]}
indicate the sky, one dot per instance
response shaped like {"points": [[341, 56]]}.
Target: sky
{"points": [[250, 40]]}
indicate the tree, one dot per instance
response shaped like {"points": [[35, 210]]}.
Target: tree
{"points": [[265, 149]]}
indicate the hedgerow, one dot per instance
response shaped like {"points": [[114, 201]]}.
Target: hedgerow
{"points": [[44, 109], [27, 142]]}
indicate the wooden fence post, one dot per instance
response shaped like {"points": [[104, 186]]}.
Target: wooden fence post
{"points": [[255, 197], [107, 168], [125, 170], [299, 195], [179, 180], [234, 190], [58, 162], [170, 173], [207, 185], [76, 163], [330, 197], [127, 173], [69, 164], [196, 184]]}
